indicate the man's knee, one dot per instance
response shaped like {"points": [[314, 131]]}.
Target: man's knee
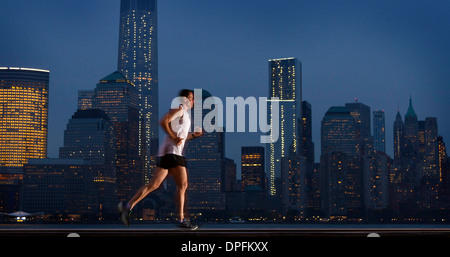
{"points": [[153, 186], [183, 186]]}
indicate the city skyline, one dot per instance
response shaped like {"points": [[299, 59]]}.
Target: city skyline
{"points": [[399, 58], [352, 181]]}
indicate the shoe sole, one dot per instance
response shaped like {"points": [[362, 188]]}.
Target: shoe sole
{"points": [[192, 229], [120, 209]]}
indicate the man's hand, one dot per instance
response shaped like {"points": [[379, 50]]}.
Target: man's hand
{"points": [[177, 140], [197, 134]]}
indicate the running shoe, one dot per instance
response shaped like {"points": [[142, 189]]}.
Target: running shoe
{"points": [[125, 213], [186, 224]]}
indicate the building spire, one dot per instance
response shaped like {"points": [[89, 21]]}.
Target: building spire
{"points": [[410, 113]]}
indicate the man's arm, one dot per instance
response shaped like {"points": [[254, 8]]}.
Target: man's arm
{"points": [[194, 135], [165, 124]]}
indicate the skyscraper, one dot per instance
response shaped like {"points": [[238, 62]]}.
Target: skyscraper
{"points": [[410, 146], [252, 166], [90, 136], [376, 175], [379, 131], [85, 99], [338, 131], [23, 127], [430, 166], [24, 115], [361, 113], [118, 98], [307, 143], [410, 132], [205, 157], [340, 173], [285, 82], [138, 61], [293, 183], [398, 138]]}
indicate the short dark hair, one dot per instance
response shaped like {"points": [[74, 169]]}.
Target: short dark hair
{"points": [[185, 92]]}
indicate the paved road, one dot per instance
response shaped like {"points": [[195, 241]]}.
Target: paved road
{"points": [[219, 231]]}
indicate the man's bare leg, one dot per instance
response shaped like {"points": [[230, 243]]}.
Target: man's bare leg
{"points": [[179, 174], [156, 180]]}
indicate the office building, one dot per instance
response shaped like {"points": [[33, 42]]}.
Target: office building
{"points": [[361, 113], [118, 98], [429, 175], [376, 180], [410, 151], [307, 143], [285, 82], [138, 62], [205, 157], [410, 133], [90, 136], [10, 186], [230, 177], [293, 184], [252, 167], [340, 170], [430, 166], [398, 138], [310, 178], [379, 131], [24, 115], [85, 98], [59, 186]]}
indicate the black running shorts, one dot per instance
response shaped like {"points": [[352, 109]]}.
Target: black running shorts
{"points": [[171, 160]]}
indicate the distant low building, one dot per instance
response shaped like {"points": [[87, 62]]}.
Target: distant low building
{"points": [[59, 186]]}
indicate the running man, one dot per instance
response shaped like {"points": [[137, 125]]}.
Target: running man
{"points": [[176, 123]]}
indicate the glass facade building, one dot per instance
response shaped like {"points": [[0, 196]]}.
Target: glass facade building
{"points": [[85, 99], [138, 61], [252, 167], [205, 157], [340, 169], [90, 136], [23, 115], [118, 98], [379, 131], [285, 82]]}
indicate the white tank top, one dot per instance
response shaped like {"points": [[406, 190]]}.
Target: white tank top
{"points": [[180, 125]]}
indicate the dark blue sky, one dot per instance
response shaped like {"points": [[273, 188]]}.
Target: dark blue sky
{"points": [[381, 52]]}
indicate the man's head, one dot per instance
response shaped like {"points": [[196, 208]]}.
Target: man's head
{"points": [[189, 94]]}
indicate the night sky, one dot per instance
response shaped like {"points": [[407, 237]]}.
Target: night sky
{"points": [[380, 52]]}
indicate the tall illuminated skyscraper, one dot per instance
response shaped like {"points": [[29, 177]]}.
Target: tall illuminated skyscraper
{"points": [[379, 133], [285, 82], [398, 138], [118, 98], [138, 61], [23, 115], [339, 162]]}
